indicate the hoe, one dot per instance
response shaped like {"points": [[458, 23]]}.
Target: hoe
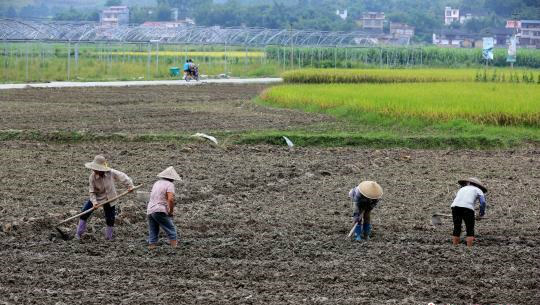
{"points": [[436, 218], [67, 237]]}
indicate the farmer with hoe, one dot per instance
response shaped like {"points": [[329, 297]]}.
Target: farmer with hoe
{"points": [[160, 208], [102, 188], [365, 197], [463, 208]]}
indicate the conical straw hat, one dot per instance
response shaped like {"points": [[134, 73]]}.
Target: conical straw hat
{"points": [[370, 189], [473, 181], [99, 164], [169, 173]]}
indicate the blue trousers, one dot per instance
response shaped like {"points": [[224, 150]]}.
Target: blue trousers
{"points": [[157, 220], [110, 212]]}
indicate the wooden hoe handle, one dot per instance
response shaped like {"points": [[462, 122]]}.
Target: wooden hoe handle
{"points": [[355, 224], [100, 205]]}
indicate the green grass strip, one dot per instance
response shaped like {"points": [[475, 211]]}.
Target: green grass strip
{"points": [[339, 139], [328, 138]]}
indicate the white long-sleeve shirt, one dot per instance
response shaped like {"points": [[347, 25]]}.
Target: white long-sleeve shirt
{"points": [[103, 188], [466, 198]]}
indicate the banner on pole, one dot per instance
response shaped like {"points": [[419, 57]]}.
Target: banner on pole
{"points": [[512, 50], [487, 50]]}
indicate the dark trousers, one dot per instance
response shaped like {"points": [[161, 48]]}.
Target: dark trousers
{"points": [[366, 217], [109, 210], [460, 215]]}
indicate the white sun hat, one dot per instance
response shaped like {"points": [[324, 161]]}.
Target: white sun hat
{"points": [[169, 173], [370, 189], [99, 164]]}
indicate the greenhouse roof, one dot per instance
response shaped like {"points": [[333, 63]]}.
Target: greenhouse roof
{"points": [[17, 29]]}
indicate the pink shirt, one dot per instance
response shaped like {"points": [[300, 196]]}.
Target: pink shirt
{"points": [[158, 196]]}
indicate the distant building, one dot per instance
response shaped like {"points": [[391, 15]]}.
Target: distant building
{"points": [[343, 15], [168, 24], [401, 33], [457, 39], [451, 15], [114, 16], [513, 24], [529, 33], [401, 30], [466, 17], [464, 39], [501, 35], [373, 21]]}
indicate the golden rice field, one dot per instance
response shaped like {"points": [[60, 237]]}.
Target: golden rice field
{"points": [[311, 76], [500, 104], [232, 54]]}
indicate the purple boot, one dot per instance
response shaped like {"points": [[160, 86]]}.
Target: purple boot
{"points": [[81, 228], [109, 233]]}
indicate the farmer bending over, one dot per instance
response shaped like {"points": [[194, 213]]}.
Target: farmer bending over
{"points": [[365, 197], [463, 208], [161, 208], [101, 189]]}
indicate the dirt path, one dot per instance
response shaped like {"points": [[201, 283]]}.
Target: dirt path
{"points": [[265, 225], [237, 81]]}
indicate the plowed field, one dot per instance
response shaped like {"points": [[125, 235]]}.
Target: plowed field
{"points": [[259, 224]]}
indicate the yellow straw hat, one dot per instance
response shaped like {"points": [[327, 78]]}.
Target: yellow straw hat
{"points": [[99, 164], [170, 173], [474, 181], [370, 189]]}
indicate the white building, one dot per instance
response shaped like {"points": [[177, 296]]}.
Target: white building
{"points": [[372, 21], [529, 34], [343, 15], [451, 15], [114, 16]]}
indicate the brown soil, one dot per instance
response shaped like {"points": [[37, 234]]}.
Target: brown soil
{"points": [[178, 109], [268, 225]]}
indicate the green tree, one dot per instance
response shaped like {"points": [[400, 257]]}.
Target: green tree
{"points": [[11, 12], [113, 3], [163, 13]]}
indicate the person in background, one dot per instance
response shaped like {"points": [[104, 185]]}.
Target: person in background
{"points": [[463, 208], [102, 188], [160, 208], [187, 68], [365, 197]]}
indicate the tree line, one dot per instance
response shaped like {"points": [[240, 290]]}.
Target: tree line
{"points": [[425, 15]]}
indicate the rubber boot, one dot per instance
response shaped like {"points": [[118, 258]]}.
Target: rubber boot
{"points": [[358, 232], [367, 230], [469, 240], [81, 229], [455, 240], [109, 233], [173, 243]]}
